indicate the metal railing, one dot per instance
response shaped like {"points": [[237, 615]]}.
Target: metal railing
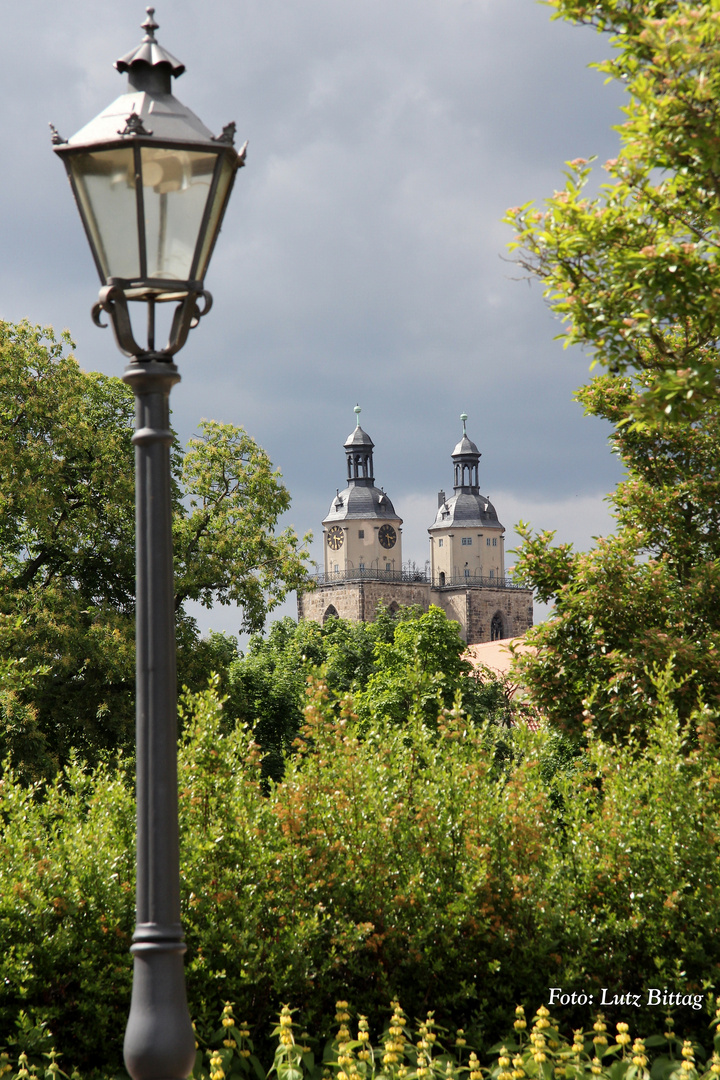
{"points": [[372, 573], [414, 576], [476, 581]]}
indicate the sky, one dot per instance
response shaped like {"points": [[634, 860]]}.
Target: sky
{"points": [[363, 258]]}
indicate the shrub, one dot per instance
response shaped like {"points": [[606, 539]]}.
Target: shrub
{"points": [[456, 866]]}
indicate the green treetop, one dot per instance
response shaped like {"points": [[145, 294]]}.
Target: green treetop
{"points": [[67, 548], [634, 271]]}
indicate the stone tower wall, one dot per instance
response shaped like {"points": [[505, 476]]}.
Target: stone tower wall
{"points": [[472, 608], [358, 601], [515, 606]]}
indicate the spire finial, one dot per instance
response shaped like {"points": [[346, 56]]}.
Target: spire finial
{"points": [[463, 417], [149, 26], [357, 410]]}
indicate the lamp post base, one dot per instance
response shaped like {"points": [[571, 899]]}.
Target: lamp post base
{"points": [[159, 1039]]}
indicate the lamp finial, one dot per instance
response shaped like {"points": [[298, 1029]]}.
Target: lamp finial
{"points": [[463, 417], [149, 26], [357, 410]]}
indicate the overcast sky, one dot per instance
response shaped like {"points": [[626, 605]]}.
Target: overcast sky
{"points": [[362, 258]]}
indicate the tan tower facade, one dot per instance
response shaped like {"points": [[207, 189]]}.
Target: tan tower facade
{"points": [[362, 540]]}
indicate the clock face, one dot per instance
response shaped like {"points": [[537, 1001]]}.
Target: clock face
{"points": [[387, 536], [335, 538]]}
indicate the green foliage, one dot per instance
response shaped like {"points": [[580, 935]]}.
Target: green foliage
{"points": [[385, 664], [424, 1049], [634, 271], [642, 596], [422, 664], [67, 578], [449, 864]]}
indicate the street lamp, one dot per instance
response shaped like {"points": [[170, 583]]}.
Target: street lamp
{"points": [[152, 183]]}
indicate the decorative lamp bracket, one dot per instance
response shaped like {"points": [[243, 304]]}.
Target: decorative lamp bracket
{"points": [[189, 311]]}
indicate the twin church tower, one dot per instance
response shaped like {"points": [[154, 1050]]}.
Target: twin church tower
{"points": [[362, 536]]}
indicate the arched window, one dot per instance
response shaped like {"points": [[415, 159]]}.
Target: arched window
{"points": [[497, 630], [442, 578], [394, 608], [330, 613]]}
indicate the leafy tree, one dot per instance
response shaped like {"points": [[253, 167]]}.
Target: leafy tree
{"points": [[266, 687], [67, 548], [385, 664], [422, 662], [635, 271], [635, 274], [645, 596]]}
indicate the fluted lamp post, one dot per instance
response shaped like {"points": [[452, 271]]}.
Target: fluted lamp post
{"points": [[152, 183]]}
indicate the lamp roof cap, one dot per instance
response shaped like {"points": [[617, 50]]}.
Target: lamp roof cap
{"points": [[148, 51]]}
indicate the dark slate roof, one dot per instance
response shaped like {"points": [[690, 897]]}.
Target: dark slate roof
{"points": [[465, 446], [467, 511], [360, 502], [358, 437]]}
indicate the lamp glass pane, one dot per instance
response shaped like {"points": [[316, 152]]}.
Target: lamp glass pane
{"points": [[176, 185], [105, 184], [228, 168]]}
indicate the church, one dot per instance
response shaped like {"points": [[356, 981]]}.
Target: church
{"points": [[362, 540]]}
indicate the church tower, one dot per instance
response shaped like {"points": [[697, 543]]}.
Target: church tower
{"points": [[467, 545], [362, 543], [362, 532]]}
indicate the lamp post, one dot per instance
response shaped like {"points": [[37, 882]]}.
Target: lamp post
{"points": [[152, 183]]}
